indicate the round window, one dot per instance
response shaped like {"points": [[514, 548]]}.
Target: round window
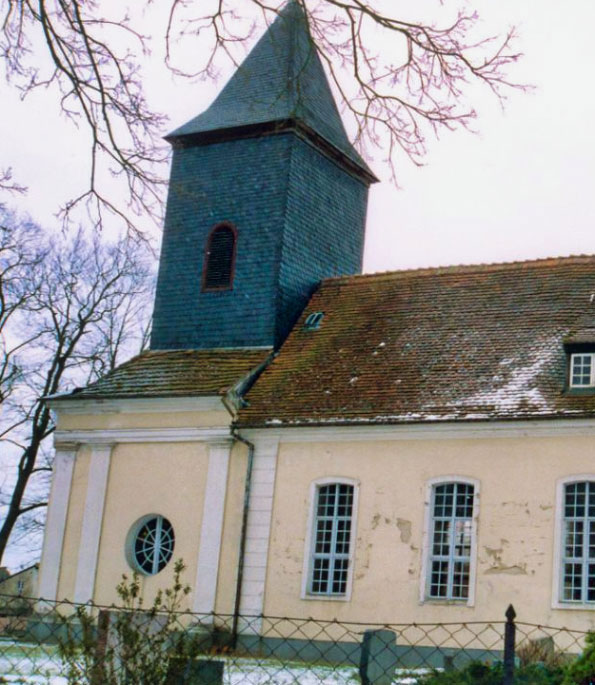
{"points": [[151, 544]]}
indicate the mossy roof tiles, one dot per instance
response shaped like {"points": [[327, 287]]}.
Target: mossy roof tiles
{"points": [[461, 343], [176, 373]]}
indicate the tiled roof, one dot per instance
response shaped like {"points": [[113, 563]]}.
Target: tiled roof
{"points": [[176, 373], [459, 343], [282, 78]]}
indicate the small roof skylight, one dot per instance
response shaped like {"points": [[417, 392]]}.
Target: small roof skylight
{"points": [[313, 321]]}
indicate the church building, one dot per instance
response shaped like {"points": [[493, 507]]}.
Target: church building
{"points": [[412, 446]]}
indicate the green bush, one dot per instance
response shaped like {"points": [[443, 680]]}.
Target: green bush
{"points": [[477, 673], [582, 671]]}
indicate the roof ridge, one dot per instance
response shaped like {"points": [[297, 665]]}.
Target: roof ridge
{"points": [[464, 268]]}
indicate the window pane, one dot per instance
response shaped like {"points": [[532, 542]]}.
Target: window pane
{"points": [[439, 579], [572, 582], [441, 538], [462, 542], [460, 583], [574, 539]]}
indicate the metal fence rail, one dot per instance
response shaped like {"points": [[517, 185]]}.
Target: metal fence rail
{"points": [[61, 643]]}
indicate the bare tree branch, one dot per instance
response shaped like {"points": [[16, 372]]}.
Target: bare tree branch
{"points": [[399, 80], [420, 81]]}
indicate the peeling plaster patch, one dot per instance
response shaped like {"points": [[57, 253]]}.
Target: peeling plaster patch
{"points": [[375, 521], [516, 570], [365, 557], [404, 527], [494, 552]]}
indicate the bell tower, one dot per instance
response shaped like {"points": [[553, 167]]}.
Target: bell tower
{"points": [[267, 197]]}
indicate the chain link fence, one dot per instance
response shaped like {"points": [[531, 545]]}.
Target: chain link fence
{"points": [[60, 643]]}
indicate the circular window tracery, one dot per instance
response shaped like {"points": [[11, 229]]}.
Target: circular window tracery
{"points": [[151, 546]]}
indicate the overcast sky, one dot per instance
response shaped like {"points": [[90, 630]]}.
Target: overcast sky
{"points": [[522, 188]]}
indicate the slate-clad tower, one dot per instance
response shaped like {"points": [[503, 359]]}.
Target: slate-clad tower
{"points": [[267, 197]]}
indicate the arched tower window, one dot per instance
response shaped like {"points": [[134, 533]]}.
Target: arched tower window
{"points": [[220, 255]]}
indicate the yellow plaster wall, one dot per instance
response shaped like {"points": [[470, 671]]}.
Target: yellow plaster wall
{"points": [[515, 528], [116, 420], [74, 521], [151, 478]]}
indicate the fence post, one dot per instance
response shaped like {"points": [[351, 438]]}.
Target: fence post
{"points": [[98, 675], [509, 646], [378, 658]]}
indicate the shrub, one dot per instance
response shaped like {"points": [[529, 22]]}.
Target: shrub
{"points": [[132, 645], [542, 651], [477, 673], [582, 671]]}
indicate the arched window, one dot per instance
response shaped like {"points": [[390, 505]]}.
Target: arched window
{"points": [[220, 258], [328, 566], [450, 539]]}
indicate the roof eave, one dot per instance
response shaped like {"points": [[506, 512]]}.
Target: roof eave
{"points": [[275, 127]]}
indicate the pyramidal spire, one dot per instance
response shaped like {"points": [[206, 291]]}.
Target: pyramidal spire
{"points": [[282, 84]]}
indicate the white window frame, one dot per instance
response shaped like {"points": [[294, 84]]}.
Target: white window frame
{"points": [[559, 543], [426, 566], [311, 539], [573, 357]]}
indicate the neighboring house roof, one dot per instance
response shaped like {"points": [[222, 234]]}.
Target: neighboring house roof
{"points": [[281, 79], [444, 344], [28, 569], [175, 373]]}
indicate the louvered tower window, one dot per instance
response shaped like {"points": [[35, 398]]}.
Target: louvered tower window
{"points": [[220, 258]]}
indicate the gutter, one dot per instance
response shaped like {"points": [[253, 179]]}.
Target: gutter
{"points": [[242, 552]]}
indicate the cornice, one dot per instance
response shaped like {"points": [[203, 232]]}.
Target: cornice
{"points": [[127, 435], [134, 405], [434, 431]]}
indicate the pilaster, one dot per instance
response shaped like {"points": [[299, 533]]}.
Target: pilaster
{"points": [[92, 522], [209, 551], [55, 526], [258, 532]]}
